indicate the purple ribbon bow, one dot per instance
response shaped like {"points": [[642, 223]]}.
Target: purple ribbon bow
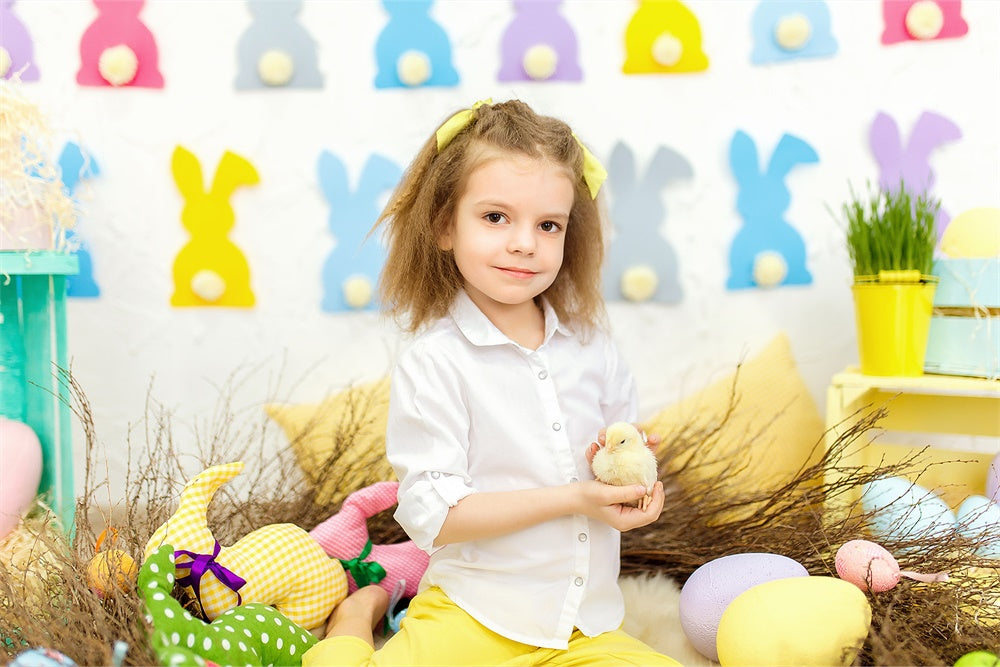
{"points": [[201, 563]]}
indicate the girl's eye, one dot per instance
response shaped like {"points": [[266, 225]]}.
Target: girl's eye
{"points": [[494, 217], [549, 226]]}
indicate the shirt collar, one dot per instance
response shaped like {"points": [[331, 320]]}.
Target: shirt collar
{"points": [[478, 329]]}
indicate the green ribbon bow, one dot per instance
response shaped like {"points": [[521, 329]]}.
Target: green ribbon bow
{"points": [[364, 572]]}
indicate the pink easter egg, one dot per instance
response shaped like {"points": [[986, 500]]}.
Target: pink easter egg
{"points": [[867, 565], [21, 453]]}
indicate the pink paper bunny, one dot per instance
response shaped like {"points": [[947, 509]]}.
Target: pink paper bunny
{"points": [[117, 23], [345, 536]]}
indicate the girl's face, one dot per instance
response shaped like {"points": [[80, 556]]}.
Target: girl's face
{"points": [[509, 230]]}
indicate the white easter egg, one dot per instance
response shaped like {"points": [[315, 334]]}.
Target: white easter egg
{"points": [[20, 471], [905, 510], [978, 518], [993, 480], [795, 621], [710, 589]]}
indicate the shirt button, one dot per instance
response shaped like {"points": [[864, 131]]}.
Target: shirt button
{"points": [[582, 537], [435, 474], [542, 375], [578, 581], [556, 426]]}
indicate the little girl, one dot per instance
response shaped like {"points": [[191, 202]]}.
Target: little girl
{"points": [[495, 250]]}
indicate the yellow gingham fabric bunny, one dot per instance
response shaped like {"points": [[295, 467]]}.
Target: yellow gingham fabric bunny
{"points": [[279, 564]]}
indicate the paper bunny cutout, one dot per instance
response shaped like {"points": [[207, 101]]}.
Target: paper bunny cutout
{"points": [[210, 269], [276, 32], [637, 212], [762, 200], [539, 23], [74, 167], [910, 164], [118, 23], [411, 30], [16, 40], [663, 36], [351, 270], [345, 535], [252, 634], [786, 30], [278, 564], [907, 20]]}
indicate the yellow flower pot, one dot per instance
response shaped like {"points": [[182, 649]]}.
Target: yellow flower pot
{"points": [[893, 316]]}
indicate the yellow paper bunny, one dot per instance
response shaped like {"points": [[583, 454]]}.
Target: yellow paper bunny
{"points": [[279, 564], [210, 270]]}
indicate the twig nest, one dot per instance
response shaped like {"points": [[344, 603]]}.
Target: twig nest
{"points": [[792, 32], [769, 268], [118, 65], [208, 285], [667, 49], [275, 67], [924, 19], [5, 61], [413, 68], [358, 291], [540, 62], [639, 283]]}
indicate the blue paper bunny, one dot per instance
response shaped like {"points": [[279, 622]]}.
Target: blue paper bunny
{"points": [[75, 167], [762, 200], [637, 211], [411, 28], [352, 213]]}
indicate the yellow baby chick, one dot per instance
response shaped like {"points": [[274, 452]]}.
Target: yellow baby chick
{"points": [[625, 459]]}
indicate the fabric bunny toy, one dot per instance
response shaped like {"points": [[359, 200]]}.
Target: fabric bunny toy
{"points": [[278, 564], [251, 634], [345, 536]]}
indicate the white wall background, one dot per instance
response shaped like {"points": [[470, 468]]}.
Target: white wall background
{"points": [[286, 347]]}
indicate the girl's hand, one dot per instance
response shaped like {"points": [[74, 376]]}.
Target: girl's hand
{"points": [[604, 502]]}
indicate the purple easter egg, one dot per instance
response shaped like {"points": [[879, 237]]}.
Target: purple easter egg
{"points": [[710, 589]]}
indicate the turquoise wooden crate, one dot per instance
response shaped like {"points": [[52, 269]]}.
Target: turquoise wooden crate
{"points": [[964, 338], [33, 362]]}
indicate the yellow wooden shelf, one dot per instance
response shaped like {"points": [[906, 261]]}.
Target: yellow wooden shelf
{"points": [[956, 418]]}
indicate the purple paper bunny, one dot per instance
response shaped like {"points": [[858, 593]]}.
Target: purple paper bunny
{"points": [[538, 23], [910, 164], [14, 37]]}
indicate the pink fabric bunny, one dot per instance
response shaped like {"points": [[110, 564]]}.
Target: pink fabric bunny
{"points": [[345, 535]]}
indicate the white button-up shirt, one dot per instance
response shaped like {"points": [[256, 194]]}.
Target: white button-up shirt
{"points": [[470, 410]]}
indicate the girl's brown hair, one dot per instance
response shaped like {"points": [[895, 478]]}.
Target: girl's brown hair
{"points": [[420, 280]]}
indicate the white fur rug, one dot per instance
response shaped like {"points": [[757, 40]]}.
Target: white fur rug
{"points": [[652, 614]]}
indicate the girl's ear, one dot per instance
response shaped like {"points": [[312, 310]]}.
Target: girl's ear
{"points": [[445, 241]]}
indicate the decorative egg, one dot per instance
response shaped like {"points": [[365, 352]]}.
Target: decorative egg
{"points": [[979, 519], [710, 589], [111, 568], [905, 510], [20, 473], [867, 565], [42, 657], [993, 480], [795, 621], [978, 659]]}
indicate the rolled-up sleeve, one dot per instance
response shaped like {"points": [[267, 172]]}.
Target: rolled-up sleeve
{"points": [[427, 444]]}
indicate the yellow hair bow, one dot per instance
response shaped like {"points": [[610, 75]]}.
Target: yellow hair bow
{"points": [[594, 173]]}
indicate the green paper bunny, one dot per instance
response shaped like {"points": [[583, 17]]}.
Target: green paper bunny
{"points": [[251, 635]]}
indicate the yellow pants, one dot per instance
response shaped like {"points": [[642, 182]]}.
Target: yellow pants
{"points": [[435, 631]]}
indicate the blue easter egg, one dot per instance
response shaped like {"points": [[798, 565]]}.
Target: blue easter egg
{"points": [[42, 657], [903, 510], [979, 519]]}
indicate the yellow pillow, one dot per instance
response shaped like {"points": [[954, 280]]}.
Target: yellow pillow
{"points": [[340, 442], [771, 433]]}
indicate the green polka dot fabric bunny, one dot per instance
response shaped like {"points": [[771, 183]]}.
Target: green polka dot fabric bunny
{"points": [[250, 635]]}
